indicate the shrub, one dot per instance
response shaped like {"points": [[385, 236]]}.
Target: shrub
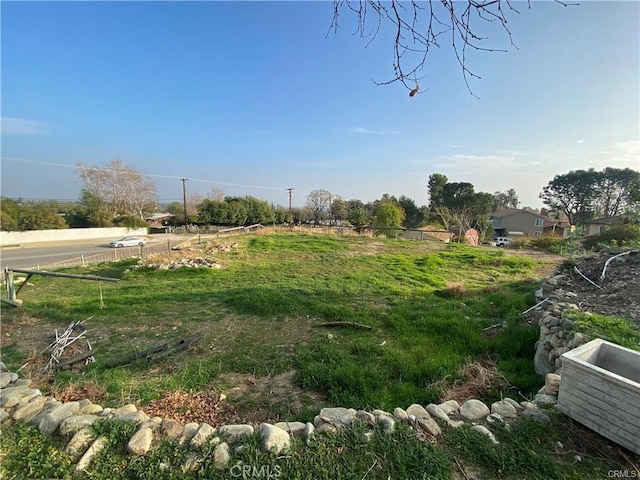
{"points": [[621, 235]]}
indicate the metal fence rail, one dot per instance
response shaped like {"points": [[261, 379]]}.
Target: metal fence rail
{"points": [[112, 255]]}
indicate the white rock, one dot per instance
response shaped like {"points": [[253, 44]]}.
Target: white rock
{"points": [[485, 431], [418, 411], [91, 452], [436, 412], [449, 407], [274, 439], [474, 410], [221, 456], [76, 422], [202, 435], [514, 403], [429, 425], [234, 432], [52, 420], [140, 442], [366, 417], [338, 416], [294, 428], [400, 414], [504, 409], [79, 443]]}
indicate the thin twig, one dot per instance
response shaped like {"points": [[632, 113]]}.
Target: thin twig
{"points": [[370, 468], [461, 469]]}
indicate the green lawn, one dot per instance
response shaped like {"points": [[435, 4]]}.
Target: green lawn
{"points": [[260, 317]]}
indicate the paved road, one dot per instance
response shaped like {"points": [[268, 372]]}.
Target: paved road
{"points": [[30, 255]]}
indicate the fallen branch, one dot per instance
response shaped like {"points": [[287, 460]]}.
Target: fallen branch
{"points": [[461, 469], [153, 353], [346, 324], [69, 363]]}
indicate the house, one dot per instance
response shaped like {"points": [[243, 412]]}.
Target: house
{"points": [[558, 228], [597, 225], [158, 219], [515, 222]]}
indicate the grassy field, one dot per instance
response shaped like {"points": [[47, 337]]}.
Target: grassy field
{"points": [[260, 339]]}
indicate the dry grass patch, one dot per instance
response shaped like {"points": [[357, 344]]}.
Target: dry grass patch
{"points": [[476, 379]]}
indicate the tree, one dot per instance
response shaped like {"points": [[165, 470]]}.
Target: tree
{"points": [[417, 27], [573, 193], [436, 184], [457, 204], [503, 200], [318, 202], [359, 217], [213, 212], [618, 190], [9, 214], [122, 189], [21, 216], [339, 209], [413, 214], [389, 215]]}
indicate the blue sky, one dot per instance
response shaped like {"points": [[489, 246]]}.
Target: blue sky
{"points": [[241, 95]]}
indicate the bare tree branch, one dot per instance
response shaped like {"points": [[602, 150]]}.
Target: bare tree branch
{"points": [[417, 26]]}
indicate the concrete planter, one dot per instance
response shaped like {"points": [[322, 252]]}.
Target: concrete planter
{"points": [[600, 389]]}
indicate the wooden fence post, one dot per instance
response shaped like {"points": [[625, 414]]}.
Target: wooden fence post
{"points": [[11, 288]]}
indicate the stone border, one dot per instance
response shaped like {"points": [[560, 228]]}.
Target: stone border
{"points": [[19, 402]]}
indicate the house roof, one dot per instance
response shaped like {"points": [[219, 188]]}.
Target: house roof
{"points": [[548, 222], [602, 221], [158, 216], [507, 212]]}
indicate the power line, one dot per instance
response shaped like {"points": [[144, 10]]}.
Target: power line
{"points": [[172, 177]]}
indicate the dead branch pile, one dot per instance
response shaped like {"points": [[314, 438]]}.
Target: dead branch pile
{"points": [[63, 342]]}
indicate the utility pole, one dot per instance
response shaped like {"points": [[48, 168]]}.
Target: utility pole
{"points": [[184, 200], [290, 190]]}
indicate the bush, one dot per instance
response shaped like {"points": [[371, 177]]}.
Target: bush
{"points": [[130, 222], [622, 235]]}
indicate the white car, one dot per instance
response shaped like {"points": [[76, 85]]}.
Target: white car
{"points": [[502, 241], [128, 242]]}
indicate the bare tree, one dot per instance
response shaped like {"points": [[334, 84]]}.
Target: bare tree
{"points": [[216, 194], [419, 26], [319, 202], [121, 188]]}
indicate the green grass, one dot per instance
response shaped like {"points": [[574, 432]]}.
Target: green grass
{"points": [[261, 315], [527, 449], [617, 330]]}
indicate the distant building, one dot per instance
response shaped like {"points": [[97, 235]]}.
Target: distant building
{"points": [[516, 222], [158, 219], [597, 225]]}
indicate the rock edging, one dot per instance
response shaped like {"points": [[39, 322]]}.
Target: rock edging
{"points": [[73, 419]]}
